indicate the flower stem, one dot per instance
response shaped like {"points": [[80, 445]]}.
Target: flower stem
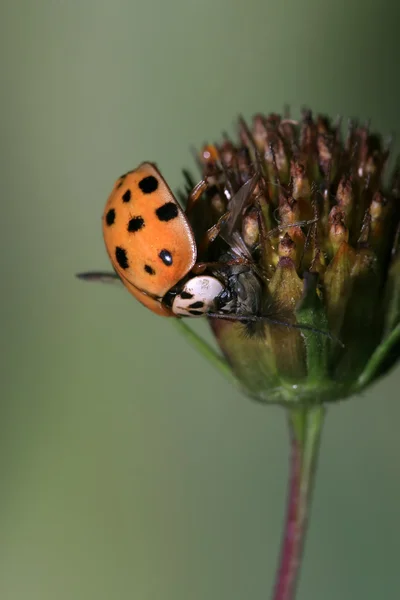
{"points": [[305, 426], [206, 350], [375, 362]]}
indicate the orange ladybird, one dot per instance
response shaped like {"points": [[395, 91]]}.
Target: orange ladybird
{"points": [[147, 236], [149, 240], [152, 248]]}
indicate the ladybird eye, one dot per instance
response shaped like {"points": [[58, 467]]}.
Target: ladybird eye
{"points": [[166, 257], [241, 291], [110, 217], [223, 298], [148, 185]]}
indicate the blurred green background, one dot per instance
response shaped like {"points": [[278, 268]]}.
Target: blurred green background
{"points": [[129, 468]]}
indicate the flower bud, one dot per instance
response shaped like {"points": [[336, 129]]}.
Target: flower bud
{"points": [[322, 232]]}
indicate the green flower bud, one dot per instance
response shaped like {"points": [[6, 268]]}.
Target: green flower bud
{"points": [[321, 229]]}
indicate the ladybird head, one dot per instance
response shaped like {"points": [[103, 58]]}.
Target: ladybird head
{"points": [[197, 297], [147, 235]]}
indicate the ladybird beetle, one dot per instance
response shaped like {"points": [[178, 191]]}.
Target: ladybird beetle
{"points": [[152, 247]]}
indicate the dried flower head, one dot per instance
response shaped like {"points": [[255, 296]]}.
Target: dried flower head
{"points": [[315, 233]]}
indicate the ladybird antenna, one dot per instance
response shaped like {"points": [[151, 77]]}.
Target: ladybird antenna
{"points": [[100, 276], [258, 319], [304, 223]]}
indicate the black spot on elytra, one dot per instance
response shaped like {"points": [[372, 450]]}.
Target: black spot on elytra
{"points": [[123, 177], [148, 184], [135, 224], [197, 304], [110, 217], [186, 296], [122, 259], [149, 270], [126, 196], [121, 180], [196, 313], [167, 211], [166, 257]]}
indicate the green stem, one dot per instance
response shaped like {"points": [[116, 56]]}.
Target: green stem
{"points": [[205, 349], [376, 360], [305, 433]]}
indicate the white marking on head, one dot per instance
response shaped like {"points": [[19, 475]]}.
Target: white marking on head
{"points": [[197, 296]]}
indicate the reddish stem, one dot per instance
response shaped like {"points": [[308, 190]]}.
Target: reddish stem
{"points": [[305, 430]]}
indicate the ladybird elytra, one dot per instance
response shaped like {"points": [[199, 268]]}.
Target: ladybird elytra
{"points": [[147, 235]]}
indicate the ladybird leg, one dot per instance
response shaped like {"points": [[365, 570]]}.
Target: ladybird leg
{"points": [[209, 237], [212, 233], [205, 349], [229, 219], [197, 193], [200, 267]]}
